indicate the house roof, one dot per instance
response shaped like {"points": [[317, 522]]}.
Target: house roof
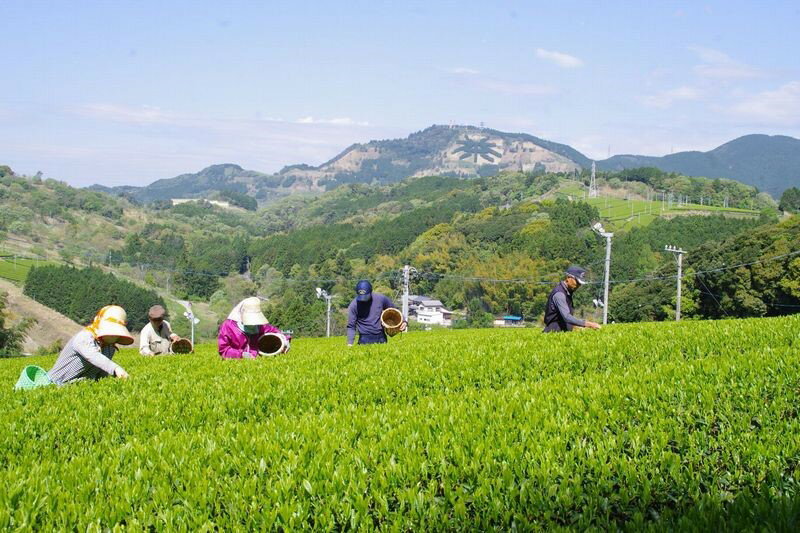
{"points": [[512, 317]]}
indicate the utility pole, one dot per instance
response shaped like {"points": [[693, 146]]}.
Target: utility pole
{"points": [[593, 182], [322, 293], [407, 269], [328, 324], [679, 256], [189, 314], [598, 227]]}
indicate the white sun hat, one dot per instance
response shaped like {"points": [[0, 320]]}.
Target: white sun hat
{"points": [[111, 321], [248, 312]]}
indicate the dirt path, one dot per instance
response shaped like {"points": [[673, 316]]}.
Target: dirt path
{"points": [[50, 325]]}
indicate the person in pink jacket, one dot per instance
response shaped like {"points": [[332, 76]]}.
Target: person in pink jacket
{"points": [[239, 334]]}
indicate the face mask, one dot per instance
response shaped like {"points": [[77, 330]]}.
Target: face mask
{"points": [[250, 330]]}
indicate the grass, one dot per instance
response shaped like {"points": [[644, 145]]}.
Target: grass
{"points": [[622, 214], [16, 270], [661, 426]]}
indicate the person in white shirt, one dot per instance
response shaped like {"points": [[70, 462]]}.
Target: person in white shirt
{"points": [[157, 336], [89, 354]]}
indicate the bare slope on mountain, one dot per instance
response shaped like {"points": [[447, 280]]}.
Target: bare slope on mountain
{"points": [[50, 325], [462, 151], [771, 163]]}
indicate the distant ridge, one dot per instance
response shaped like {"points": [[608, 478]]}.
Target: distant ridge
{"points": [[771, 163]]}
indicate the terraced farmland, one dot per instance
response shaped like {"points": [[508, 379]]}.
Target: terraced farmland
{"points": [[16, 270], [623, 214]]}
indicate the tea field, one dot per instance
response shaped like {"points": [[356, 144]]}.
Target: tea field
{"points": [[661, 426], [16, 269]]}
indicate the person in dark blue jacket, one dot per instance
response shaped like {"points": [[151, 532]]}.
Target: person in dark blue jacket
{"points": [[364, 315], [558, 311]]}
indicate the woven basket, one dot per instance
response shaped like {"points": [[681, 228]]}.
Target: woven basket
{"points": [[392, 321], [182, 346], [272, 344]]}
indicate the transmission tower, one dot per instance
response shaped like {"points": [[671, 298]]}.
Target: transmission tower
{"points": [[593, 182]]}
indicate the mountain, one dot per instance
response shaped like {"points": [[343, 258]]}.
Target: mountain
{"points": [[456, 151], [462, 151], [203, 184], [769, 162]]}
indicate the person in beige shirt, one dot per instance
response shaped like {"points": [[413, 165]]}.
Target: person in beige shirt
{"points": [[156, 337]]}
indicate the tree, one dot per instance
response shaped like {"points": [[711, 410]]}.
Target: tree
{"points": [[11, 337], [477, 317], [790, 200]]}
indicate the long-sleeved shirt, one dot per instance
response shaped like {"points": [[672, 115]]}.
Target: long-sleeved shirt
{"points": [[558, 310], [365, 317], [233, 342], [561, 303], [152, 342], [83, 358]]}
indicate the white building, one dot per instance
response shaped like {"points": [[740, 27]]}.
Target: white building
{"points": [[429, 311], [218, 203]]}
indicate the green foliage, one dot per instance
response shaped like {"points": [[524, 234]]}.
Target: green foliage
{"points": [[80, 293], [790, 200], [477, 317], [765, 285], [239, 199], [11, 337], [299, 311], [652, 426], [713, 191], [17, 269]]}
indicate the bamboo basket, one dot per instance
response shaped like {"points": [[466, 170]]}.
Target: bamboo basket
{"points": [[272, 344], [182, 346], [392, 321]]}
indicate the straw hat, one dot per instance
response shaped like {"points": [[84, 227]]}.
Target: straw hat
{"points": [[112, 321], [251, 312]]}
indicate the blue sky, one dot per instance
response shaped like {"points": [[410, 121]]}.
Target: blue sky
{"points": [[130, 92]]}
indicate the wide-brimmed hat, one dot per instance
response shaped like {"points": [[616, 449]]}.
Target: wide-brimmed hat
{"points": [[251, 312], [112, 321], [156, 312]]}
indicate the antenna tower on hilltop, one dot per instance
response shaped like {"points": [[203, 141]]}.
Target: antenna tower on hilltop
{"points": [[593, 182]]}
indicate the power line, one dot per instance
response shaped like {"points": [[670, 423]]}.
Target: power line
{"points": [[389, 275]]}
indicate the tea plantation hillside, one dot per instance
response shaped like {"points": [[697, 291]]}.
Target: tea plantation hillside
{"points": [[636, 426]]}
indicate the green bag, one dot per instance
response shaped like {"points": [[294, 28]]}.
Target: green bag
{"points": [[32, 376]]}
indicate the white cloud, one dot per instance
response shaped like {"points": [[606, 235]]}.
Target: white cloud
{"points": [[463, 71], [559, 58], [718, 65], [523, 89], [780, 107], [667, 97], [340, 121]]}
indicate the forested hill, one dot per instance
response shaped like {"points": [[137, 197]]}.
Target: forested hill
{"points": [[464, 236], [771, 163]]}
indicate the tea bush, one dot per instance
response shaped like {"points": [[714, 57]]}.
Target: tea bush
{"points": [[689, 425]]}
